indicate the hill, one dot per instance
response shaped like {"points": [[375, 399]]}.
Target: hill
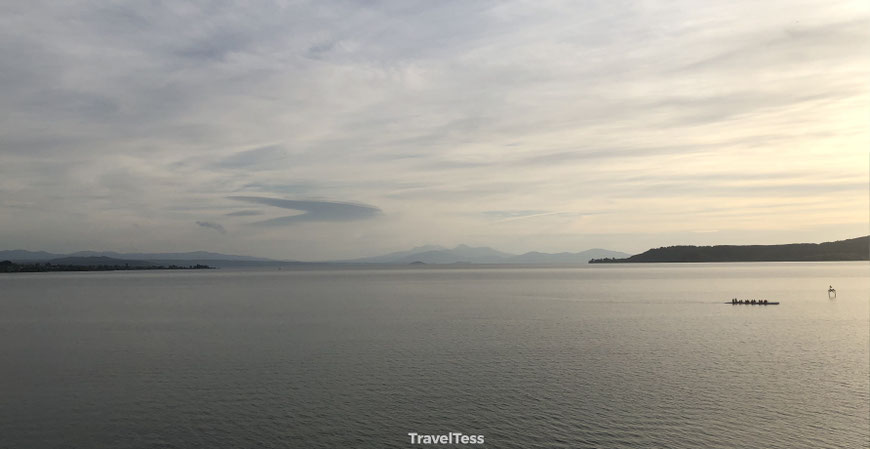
{"points": [[851, 249]]}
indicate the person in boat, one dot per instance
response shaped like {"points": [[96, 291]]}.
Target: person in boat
{"points": [[765, 302], [753, 301]]}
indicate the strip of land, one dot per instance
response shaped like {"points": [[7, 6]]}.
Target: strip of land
{"points": [[851, 249], [91, 264]]}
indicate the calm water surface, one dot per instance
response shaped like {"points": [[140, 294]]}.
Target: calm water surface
{"points": [[599, 356]]}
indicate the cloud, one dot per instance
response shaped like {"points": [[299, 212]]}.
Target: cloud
{"points": [[151, 114], [262, 157], [285, 189], [505, 214], [244, 213], [313, 210], [210, 225], [525, 217]]}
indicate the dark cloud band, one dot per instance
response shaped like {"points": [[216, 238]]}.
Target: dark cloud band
{"points": [[313, 210], [207, 224]]}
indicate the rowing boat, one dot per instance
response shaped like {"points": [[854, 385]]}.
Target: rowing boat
{"points": [[756, 303]]}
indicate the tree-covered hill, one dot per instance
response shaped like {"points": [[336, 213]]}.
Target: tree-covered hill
{"points": [[851, 249]]}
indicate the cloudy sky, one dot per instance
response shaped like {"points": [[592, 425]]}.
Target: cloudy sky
{"points": [[318, 130]]}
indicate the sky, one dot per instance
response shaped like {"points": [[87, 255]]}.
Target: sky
{"points": [[326, 130]]}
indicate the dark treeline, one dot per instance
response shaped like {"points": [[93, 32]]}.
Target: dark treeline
{"points": [[7, 266], [851, 249]]}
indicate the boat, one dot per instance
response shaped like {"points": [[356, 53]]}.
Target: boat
{"points": [[753, 302]]}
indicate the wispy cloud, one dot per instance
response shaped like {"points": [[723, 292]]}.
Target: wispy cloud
{"points": [[526, 217], [244, 213], [263, 157], [142, 115], [312, 210], [207, 224], [503, 214]]}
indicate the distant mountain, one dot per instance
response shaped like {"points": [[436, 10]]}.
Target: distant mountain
{"points": [[195, 255], [428, 254], [189, 258], [565, 258], [460, 254], [431, 254], [389, 258], [851, 249], [16, 255], [98, 260]]}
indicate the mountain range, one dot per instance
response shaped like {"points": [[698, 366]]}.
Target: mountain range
{"points": [[137, 259], [428, 254], [850, 249], [433, 254]]}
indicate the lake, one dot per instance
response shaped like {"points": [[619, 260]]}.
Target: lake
{"points": [[621, 356]]}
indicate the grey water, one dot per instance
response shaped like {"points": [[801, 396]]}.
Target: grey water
{"points": [[622, 356]]}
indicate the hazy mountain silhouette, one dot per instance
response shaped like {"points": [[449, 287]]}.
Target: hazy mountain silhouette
{"points": [[114, 258], [194, 255], [98, 260], [535, 257], [391, 257], [24, 255], [432, 254]]}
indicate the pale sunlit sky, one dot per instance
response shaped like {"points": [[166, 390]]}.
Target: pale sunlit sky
{"points": [[322, 130]]}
